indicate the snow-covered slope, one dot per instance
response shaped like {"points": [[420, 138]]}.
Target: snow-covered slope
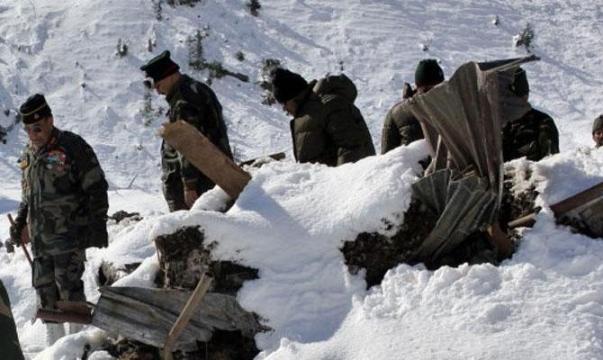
{"points": [[66, 50]]}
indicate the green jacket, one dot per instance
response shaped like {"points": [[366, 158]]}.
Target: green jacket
{"points": [[64, 196], [400, 127], [9, 341], [328, 129], [534, 136], [195, 103]]}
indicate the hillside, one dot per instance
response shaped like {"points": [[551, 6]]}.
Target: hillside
{"points": [[547, 297]]}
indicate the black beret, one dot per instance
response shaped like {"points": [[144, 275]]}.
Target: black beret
{"points": [[598, 123], [34, 108], [159, 67], [428, 73], [520, 86], [286, 85]]}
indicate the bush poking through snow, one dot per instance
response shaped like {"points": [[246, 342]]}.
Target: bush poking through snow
{"points": [[196, 60], [254, 6], [183, 2], [268, 66], [525, 38], [157, 9], [121, 48]]}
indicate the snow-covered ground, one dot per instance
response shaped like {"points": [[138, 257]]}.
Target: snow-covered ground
{"points": [[546, 302]]}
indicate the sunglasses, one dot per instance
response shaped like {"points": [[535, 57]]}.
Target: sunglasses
{"points": [[33, 128], [149, 83]]}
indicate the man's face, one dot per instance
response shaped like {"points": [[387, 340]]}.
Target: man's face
{"points": [[598, 137], [40, 131], [161, 86]]}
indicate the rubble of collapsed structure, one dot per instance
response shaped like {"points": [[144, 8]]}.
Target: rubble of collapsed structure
{"points": [[464, 209]]}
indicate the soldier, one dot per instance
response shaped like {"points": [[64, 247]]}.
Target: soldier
{"points": [[534, 135], [63, 208], [325, 128], [193, 102], [400, 126], [598, 131], [9, 341]]}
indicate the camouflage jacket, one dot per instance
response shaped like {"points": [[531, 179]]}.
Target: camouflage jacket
{"points": [[399, 128], [329, 129], [195, 103], [64, 196], [9, 341], [534, 136]]}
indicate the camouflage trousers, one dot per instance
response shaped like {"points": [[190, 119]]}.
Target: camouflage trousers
{"points": [[173, 190], [9, 341], [59, 277]]}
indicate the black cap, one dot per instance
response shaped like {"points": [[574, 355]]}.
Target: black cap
{"points": [[520, 86], [34, 108], [598, 123], [286, 85], [160, 67], [428, 73]]}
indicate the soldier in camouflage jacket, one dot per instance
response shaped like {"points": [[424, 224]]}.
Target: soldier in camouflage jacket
{"points": [[534, 135], [193, 102], [326, 128], [64, 204], [400, 126]]}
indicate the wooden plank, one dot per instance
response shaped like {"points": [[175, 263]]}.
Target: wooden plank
{"points": [[185, 315], [578, 200], [63, 316], [583, 199], [197, 149], [147, 315], [276, 156]]}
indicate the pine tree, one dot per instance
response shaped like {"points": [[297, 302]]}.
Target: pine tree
{"points": [[196, 60]]}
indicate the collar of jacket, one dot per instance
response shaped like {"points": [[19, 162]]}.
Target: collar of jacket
{"points": [[54, 136], [176, 88], [300, 99]]}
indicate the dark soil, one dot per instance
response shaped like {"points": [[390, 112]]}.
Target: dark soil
{"points": [[377, 253], [224, 345], [184, 255]]}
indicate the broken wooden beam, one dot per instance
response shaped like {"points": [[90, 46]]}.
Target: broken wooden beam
{"points": [[185, 316], [574, 202], [147, 315], [276, 156]]}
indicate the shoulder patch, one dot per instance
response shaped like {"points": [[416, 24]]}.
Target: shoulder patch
{"points": [[24, 163]]}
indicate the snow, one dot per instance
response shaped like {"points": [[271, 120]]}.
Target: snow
{"points": [[546, 302]]}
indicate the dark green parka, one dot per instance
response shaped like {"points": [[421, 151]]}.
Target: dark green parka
{"points": [[328, 129], [64, 196], [399, 128], [195, 103], [534, 136]]}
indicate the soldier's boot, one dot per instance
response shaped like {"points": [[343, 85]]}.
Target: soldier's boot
{"points": [[74, 328], [53, 333]]}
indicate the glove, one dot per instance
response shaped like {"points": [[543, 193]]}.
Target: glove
{"points": [[15, 232]]}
